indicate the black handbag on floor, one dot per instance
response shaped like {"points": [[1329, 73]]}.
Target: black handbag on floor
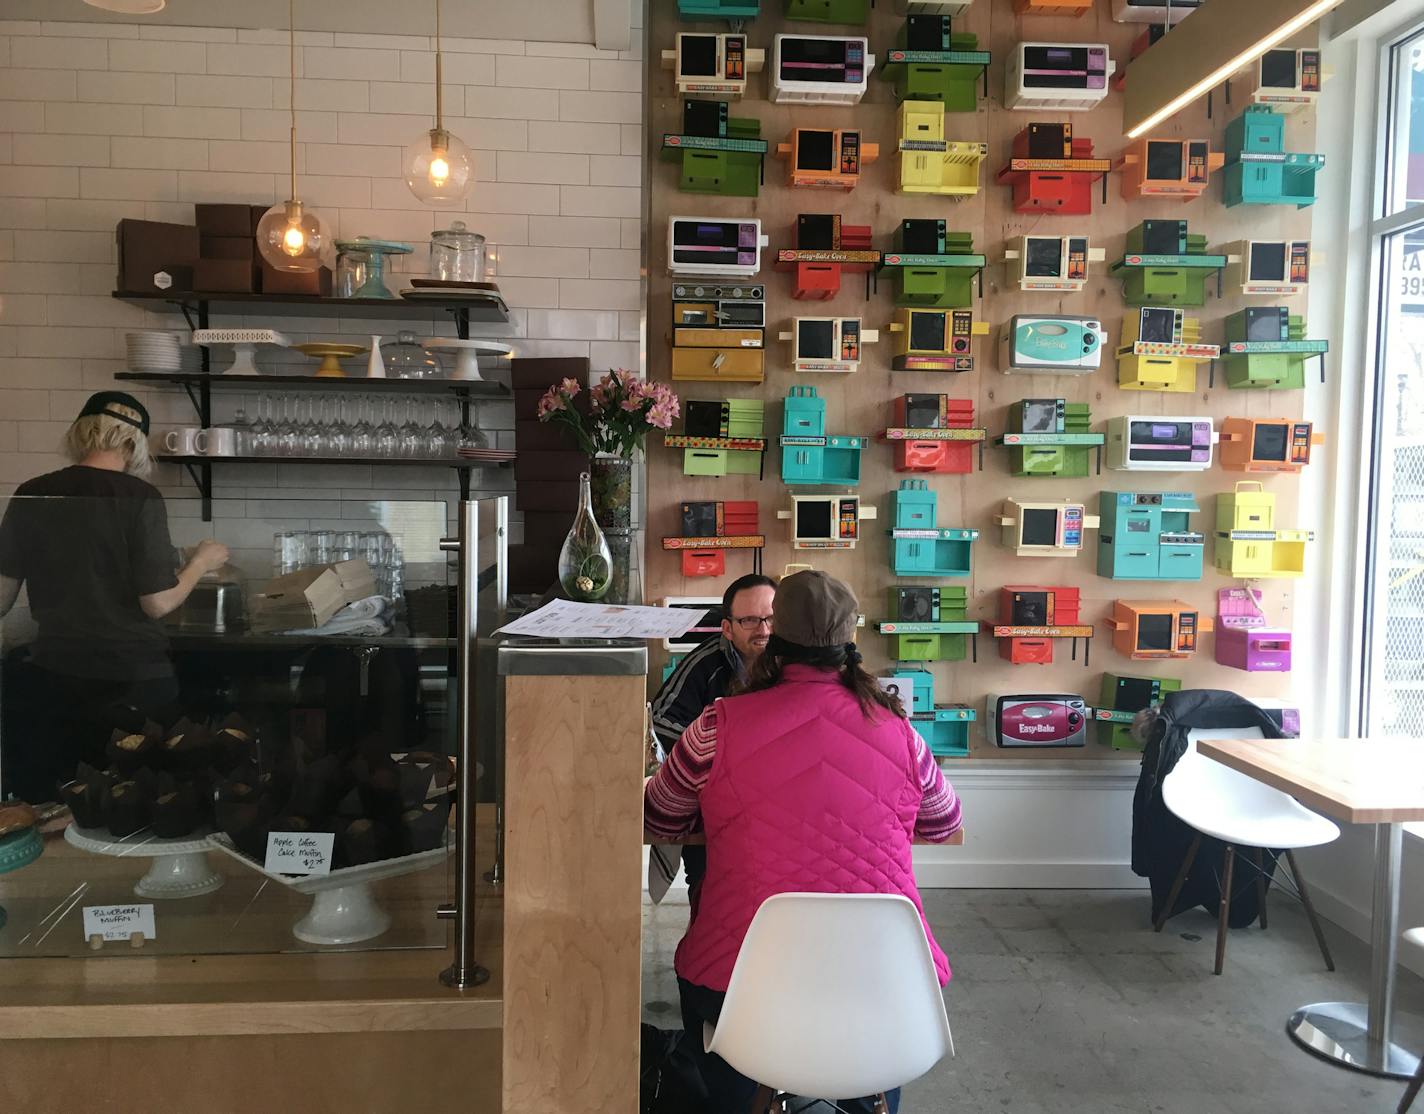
{"points": [[1160, 840], [669, 1082]]}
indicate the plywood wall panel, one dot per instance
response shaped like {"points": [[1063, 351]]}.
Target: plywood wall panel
{"points": [[860, 404]]}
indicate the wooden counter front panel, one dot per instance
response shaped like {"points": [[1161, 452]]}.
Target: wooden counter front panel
{"points": [[573, 893]]}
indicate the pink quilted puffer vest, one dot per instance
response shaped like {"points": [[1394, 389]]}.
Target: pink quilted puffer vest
{"points": [[806, 794]]}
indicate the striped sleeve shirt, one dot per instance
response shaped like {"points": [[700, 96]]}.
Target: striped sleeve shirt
{"points": [[671, 805]]}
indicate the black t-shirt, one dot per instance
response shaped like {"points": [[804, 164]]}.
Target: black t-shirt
{"points": [[89, 542]]}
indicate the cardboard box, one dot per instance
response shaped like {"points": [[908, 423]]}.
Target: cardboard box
{"points": [[307, 599], [226, 247], [155, 257], [225, 276], [227, 219], [296, 282]]}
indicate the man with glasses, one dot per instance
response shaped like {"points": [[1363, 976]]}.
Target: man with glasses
{"points": [[703, 676]]}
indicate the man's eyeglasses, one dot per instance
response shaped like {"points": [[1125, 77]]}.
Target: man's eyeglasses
{"points": [[752, 622]]}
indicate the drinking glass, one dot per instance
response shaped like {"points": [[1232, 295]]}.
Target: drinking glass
{"points": [[323, 546], [347, 545], [289, 551]]}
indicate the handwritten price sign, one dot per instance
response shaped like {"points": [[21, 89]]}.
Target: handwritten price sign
{"points": [[119, 922], [299, 852]]}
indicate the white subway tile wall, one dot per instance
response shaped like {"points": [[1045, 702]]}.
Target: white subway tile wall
{"points": [[104, 121]]}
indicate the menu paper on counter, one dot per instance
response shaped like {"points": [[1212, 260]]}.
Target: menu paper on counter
{"points": [[567, 619], [299, 852], [118, 922]]}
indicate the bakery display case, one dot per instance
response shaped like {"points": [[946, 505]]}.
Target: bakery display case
{"points": [[274, 768]]}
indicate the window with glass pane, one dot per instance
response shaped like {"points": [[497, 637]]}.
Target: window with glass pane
{"points": [[1394, 662], [1404, 150]]}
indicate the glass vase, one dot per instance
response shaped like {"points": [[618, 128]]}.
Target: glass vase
{"points": [[585, 565], [612, 488]]}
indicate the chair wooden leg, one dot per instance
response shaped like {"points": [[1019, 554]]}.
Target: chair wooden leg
{"points": [[1260, 858], [762, 1100], [1225, 908], [1177, 884], [1310, 911], [1410, 1092]]}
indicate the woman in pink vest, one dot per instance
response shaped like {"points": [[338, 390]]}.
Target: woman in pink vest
{"points": [[810, 779]]}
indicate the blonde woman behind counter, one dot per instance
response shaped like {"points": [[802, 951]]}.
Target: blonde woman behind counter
{"points": [[91, 544]]}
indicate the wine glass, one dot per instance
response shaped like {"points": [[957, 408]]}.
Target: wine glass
{"points": [[471, 436], [412, 437], [310, 433], [363, 434], [387, 435], [438, 442], [338, 433], [262, 428], [288, 435]]}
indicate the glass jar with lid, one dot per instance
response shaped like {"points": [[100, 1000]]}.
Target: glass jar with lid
{"points": [[457, 254], [407, 359]]}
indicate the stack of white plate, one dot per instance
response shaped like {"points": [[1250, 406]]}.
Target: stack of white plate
{"points": [[154, 350]]}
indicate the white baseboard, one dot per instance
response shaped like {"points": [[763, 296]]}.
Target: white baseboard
{"points": [[1036, 825]]}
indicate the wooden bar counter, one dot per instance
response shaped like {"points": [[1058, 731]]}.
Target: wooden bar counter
{"points": [[336, 1031]]}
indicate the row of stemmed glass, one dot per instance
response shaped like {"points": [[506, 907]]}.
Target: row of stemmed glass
{"points": [[371, 427]]}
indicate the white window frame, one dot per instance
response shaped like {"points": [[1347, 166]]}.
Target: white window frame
{"points": [[1349, 231]]}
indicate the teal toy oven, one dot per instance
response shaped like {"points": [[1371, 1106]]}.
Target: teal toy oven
{"points": [[931, 550], [809, 456], [1259, 170], [930, 63], [1148, 536], [944, 728], [1266, 349], [828, 11], [1164, 264], [719, 9]]}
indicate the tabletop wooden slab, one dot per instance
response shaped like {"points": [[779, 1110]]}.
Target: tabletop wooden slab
{"points": [[1359, 781]]}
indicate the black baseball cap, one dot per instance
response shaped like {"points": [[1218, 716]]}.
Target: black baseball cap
{"points": [[104, 401]]}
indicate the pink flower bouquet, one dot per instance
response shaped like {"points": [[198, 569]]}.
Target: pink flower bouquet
{"points": [[621, 411]]}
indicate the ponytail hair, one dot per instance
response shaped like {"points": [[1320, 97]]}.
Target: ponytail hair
{"points": [[845, 660]]}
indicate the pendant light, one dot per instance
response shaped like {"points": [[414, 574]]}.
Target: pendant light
{"points": [[437, 165], [290, 236]]}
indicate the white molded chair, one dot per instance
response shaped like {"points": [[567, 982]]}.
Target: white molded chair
{"points": [[833, 996], [1413, 936], [1243, 813]]}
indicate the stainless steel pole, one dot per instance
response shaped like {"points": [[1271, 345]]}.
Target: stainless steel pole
{"points": [[464, 971], [1384, 945]]}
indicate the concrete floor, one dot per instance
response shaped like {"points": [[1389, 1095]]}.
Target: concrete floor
{"points": [[1066, 1001]]}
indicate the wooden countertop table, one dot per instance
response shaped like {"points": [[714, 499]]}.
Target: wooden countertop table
{"points": [[1357, 781]]}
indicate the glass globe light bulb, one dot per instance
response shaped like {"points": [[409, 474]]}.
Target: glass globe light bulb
{"points": [[292, 238], [438, 169]]}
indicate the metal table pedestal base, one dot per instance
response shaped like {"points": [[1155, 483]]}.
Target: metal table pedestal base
{"points": [[1338, 1032]]}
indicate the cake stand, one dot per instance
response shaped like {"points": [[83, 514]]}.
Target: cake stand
{"points": [[331, 356], [374, 253], [179, 868], [244, 342], [344, 908], [468, 353], [16, 850]]}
